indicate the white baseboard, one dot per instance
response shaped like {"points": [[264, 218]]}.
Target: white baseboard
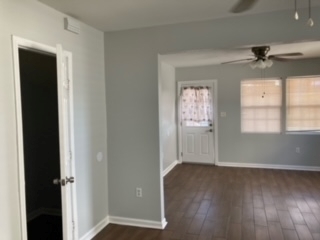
{"points": [[43, 211], [170, 167], [268, 166], [164, 223], [123, 221], [34, 214], [52, 211], [96, 229], [138, 222]]}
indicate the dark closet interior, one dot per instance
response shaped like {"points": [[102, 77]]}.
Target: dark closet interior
{"points": [[38, 76]]}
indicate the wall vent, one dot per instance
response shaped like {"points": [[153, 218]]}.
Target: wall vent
{"points": [[72, 25]]}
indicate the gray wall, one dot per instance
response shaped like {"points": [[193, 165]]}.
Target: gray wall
{"points": [[255, 148], [32, 20], [132, 94]]}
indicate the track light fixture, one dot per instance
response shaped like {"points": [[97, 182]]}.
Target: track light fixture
{"points": [[245, 5], [310, 21], [296, 15]]}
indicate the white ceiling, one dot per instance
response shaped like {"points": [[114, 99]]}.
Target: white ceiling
{"points": [[112, 15], [309, 49]]}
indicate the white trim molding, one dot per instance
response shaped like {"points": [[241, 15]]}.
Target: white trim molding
{"points": [[180, 84], [66, 132], [123, 221], [138, 222], [269, 166], [170, 167], [164, 223], [96, 229]]}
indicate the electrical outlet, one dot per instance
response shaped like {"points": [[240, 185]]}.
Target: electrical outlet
{"points": [[138, 192], [297, 149]]}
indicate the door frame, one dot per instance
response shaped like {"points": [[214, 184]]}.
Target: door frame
{"points": [[215, 106], [66, 129]]}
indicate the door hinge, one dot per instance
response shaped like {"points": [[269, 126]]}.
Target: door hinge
{"points": [[73, 230], [181, 154], [70, 155]]}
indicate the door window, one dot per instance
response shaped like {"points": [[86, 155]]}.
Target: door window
{"points": [[196, 106]]}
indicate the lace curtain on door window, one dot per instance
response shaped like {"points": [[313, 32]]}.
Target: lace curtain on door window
{"points": [[196, 104]]}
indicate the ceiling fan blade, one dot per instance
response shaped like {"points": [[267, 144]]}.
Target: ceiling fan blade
{"points": [[287, 55], [243, 5], [241, 60], [280, 59]]}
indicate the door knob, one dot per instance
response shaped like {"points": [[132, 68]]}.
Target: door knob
{"points": [[210, 130], [58, 181], [63, 182]]}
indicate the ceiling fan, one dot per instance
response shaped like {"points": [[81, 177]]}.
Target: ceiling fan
{"points": [[262, 60]]}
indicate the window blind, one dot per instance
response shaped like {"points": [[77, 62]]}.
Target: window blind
{"points": [[303, 104], [261, 102]]}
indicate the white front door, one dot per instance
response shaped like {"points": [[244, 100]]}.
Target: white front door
{"points": [[197, 144], [197, 135]]}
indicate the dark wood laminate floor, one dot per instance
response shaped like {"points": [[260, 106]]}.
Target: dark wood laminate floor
{"points": [[208, 202]]}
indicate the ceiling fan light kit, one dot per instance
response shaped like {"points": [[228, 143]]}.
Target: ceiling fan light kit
{"points": [[261, 64]]}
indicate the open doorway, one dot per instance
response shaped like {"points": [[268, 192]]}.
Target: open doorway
{"points": [[40, 121], [45, 141], [170, 124]]}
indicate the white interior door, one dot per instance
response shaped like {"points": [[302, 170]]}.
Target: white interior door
{"points": [[65, 129], [198, 135], [66, 133]]}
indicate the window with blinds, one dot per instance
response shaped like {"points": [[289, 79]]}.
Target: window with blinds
{"points": [[303, 104], [261, 102]]}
